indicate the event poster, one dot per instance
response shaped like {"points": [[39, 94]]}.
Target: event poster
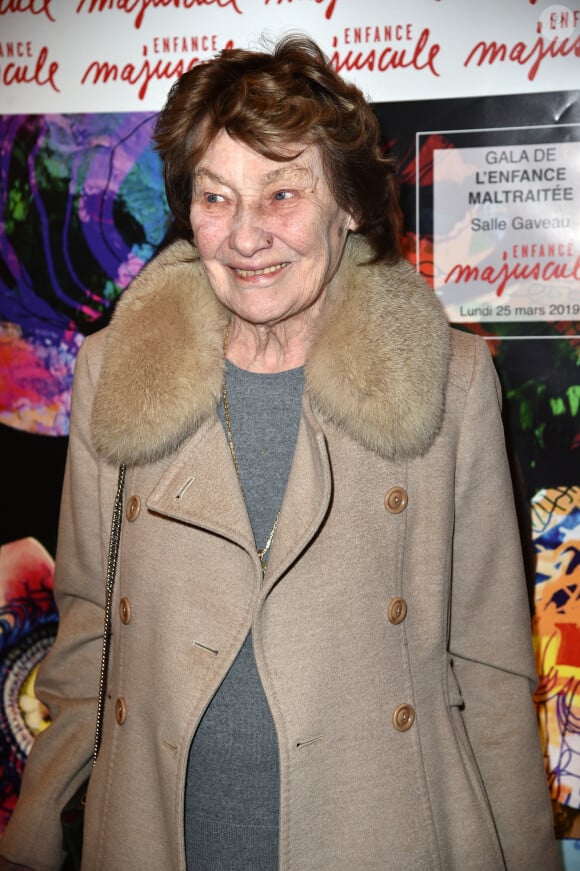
{"points": [[482, 110], [506, 224]]}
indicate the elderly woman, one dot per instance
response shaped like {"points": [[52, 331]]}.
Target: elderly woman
{"points": [[320, 654]]}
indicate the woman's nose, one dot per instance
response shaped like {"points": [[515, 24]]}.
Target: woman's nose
{"points": [[249, 234]]}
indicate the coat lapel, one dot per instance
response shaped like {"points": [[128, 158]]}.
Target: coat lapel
{"points": [[187, 493], [200, 487], [306, 499]]}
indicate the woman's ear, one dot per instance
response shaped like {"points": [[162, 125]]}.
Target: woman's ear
{"points": [[351, 225]]}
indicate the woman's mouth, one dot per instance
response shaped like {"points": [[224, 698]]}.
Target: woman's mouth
{"points": [[267, 270]]}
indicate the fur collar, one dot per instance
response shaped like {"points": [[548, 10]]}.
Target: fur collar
{"points": [[377, 369]]}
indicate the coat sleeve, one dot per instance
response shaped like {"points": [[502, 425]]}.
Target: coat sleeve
{"points": [[68, 678], [490, 632]]}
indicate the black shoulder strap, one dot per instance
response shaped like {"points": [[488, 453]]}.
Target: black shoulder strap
{"points": [[110, 583]]}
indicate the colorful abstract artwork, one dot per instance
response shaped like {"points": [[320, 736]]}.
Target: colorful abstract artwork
{"points": [[82, 210], [556, 536], [28, 621]]}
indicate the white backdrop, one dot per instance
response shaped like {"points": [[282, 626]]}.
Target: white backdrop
{"points": [[121, 55]]}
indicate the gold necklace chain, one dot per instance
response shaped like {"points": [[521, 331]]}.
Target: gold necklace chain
{"points": [[261, 551]]}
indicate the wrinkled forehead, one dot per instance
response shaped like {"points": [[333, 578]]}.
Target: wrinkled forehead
{"points": [[226, 159], [287, 173]]}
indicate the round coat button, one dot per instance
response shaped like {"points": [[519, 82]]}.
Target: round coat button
{"points": [[125, 610], [403, 717], [120, 711], [397, 610], [396, 500], [133, 508]]}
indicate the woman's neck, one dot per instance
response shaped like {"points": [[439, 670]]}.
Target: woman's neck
{"points": [[269, 348]]}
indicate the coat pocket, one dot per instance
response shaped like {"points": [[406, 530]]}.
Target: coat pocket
{"points": [[472, 774]]}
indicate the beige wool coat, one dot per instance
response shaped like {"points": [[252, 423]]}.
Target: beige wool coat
{"points": [[391, 632]]}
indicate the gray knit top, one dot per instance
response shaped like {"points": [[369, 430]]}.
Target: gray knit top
{"points": [[232, 787]]}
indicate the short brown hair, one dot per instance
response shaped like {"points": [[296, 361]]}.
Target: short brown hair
{"points": [[269, 101]]}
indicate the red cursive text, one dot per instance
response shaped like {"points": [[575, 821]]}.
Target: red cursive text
{"points": [[327, 13], [523, 54], [421, 57], [35, 7], [140, 7], [41, 73], [140, 75], [502, 275]]}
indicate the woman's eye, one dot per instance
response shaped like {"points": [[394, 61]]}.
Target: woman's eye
{"points": [[214, 198], [283, 195]]}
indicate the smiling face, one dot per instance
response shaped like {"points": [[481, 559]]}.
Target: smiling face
{"points": [[269, 234]]}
